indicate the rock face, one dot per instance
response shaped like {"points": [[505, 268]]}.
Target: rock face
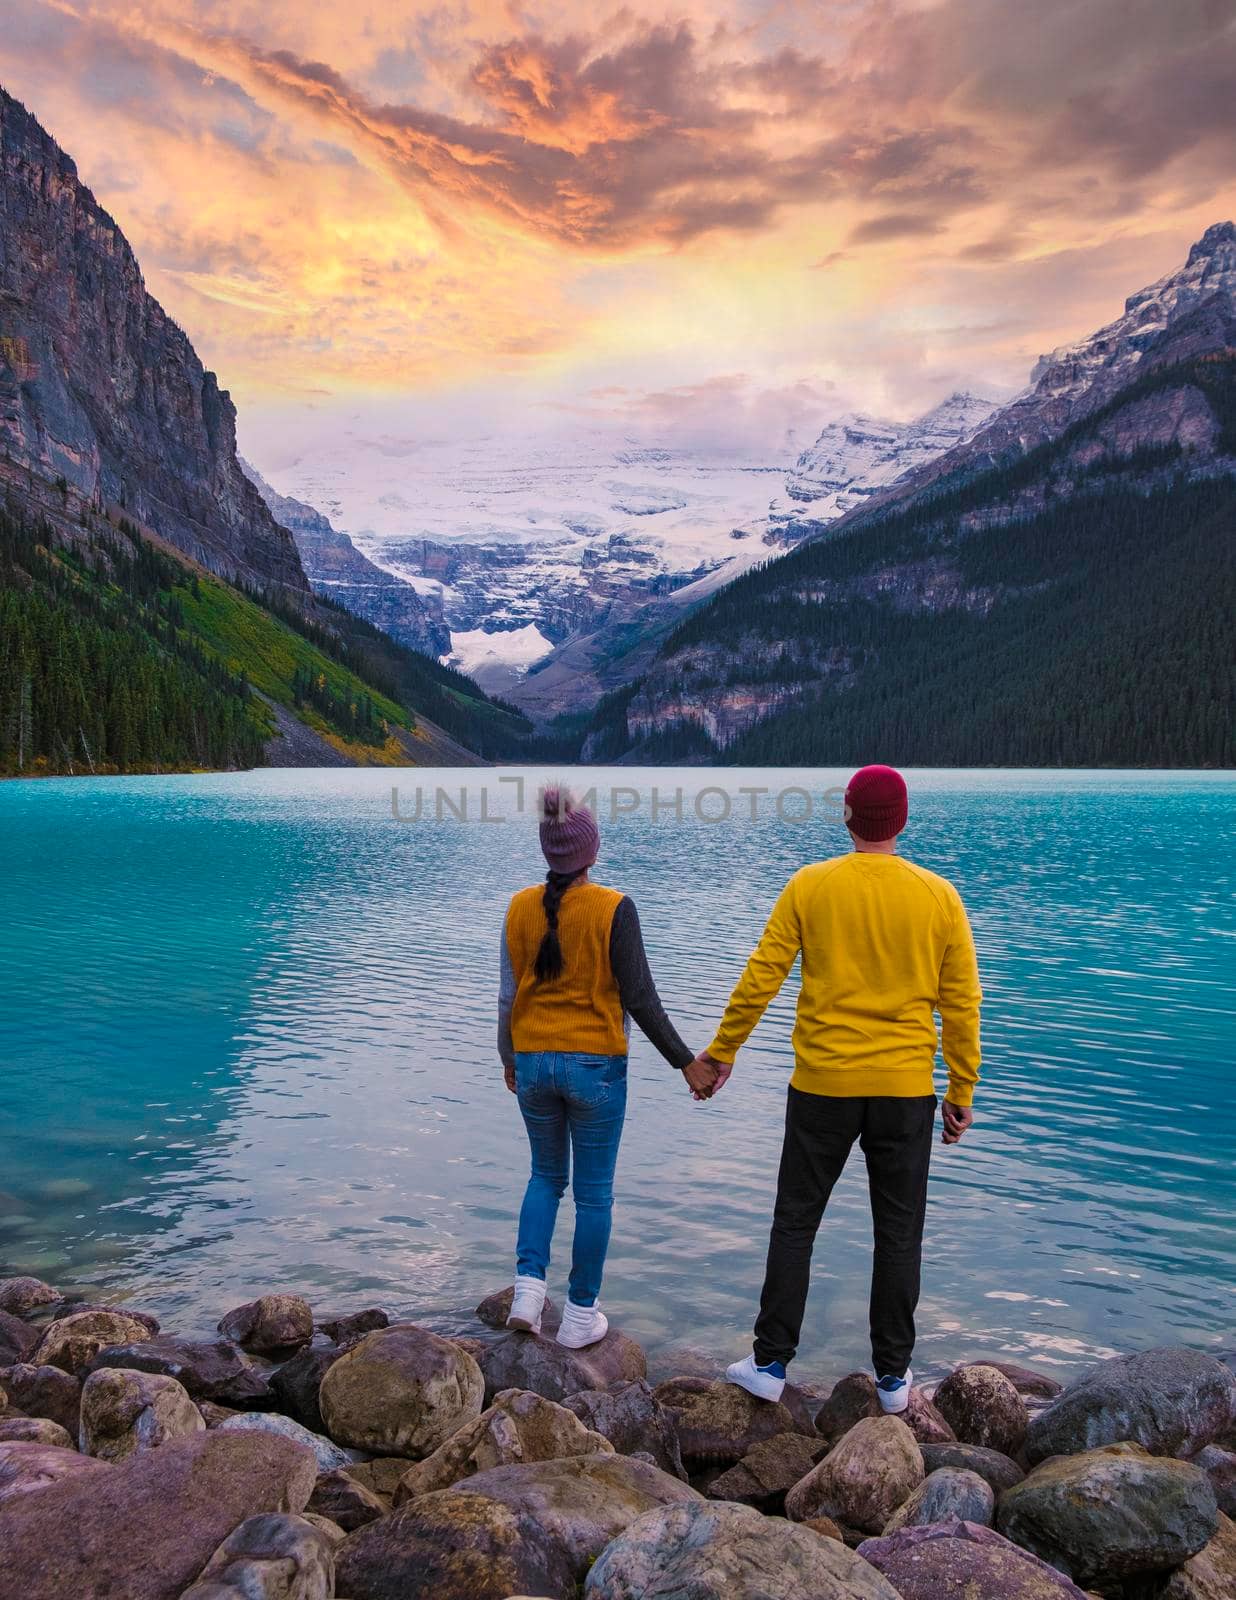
{"points": [[146, 1528], [17, 1339], [270, 1557], [728, 1552], [767, 1472], [872, 1471], [400, 1391], [1111, 1513], [530, 1530], [44, 1392], [983, 1407], [990, 1465], [719, 1424], [531, 1361], [99, 387], [632, 1419], [28, 1467], [854, 1397], [211, 1370], [1209, 1575], [329, 1456], [72, 1342], [270, 1325], [519, 1426], [20, 1296], [950, 1495], [962, 1561], [1173, 1401], [126, 1412]]}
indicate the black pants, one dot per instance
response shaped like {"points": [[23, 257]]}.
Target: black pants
{"points": [[896, 1137]]}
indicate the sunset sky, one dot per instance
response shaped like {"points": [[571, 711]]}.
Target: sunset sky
{"points": [[720, 215]]}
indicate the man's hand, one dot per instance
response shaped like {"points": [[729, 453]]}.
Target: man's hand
{"points": [[701, 1078], [956, 1120], [508, 1074]]}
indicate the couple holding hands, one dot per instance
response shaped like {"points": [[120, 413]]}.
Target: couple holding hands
{"points": [[885, 945]]}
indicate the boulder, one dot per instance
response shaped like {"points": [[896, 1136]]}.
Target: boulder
{"points": [[20, 1296], [991, 1466], [17, 1339], [144, 1529], [44, 1392], [400, 1391], [1111, 1513], [532, 1361], [728, 1552], [328, 1455], [142, 1318], [296, 1385], [125, 1412], [270, 1325], [767, 1472], [27, 1466], [951, 1494], [854, 1397], [718, 1425], [1029, 1384], [35, 1430], [1211, 1573], [533, 1529], [1220, 1467], [346, 1502], [518, 1426], [346, 1328], [495, 1308], [982, 1406], [72, 1342], [962, 1561], [873, 1469], [380, 1475], [633, 1420], [1173, 1402], [273, 1556], [208, 1370]]}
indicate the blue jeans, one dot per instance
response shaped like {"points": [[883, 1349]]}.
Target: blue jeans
{"points": [[572, 1105]]}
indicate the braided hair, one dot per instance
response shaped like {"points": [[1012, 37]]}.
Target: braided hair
{"points": [[548, 964]]}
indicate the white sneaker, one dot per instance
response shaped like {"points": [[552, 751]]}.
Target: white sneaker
{"points": [[582, 1325], [894, 1393], [765, 1383], [526, 1305]]}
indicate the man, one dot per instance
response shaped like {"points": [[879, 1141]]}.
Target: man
{"points": [[884, 944]]}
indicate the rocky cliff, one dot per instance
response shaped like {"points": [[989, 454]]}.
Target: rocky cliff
{"points": [[102, 396]]}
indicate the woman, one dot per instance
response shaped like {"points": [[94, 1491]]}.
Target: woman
{"points": [[573, 970]]}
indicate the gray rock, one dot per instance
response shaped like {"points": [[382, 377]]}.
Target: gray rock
{"points": [[270, 1325], [20, 1296], [996, 1469], [143, 1530], [1211, 1573], [535, 1362], [124, 1412], [768, 1472], [728, 1552], [35, 1430], [854, 1397], [518, 1427], [982, 1407], [274, 1556], [1220, 1467], [71, 1342], [347, 1503], [346, 1328], [1111, 1513], [297, 1384], [633, 1420], [328, 1455], [1174, 1402], [17, 1339], [962, 1561], [950, 1495], [29, 1467], [44, 1392], [400, 1391], [209, 1370], [873, 1469], [524, 1529]]}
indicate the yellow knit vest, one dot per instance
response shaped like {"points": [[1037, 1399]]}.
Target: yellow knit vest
{"points": [[580, 1010]]}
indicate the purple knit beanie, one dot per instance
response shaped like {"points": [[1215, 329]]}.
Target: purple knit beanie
{"points": [[877, 803], [570, 837]]}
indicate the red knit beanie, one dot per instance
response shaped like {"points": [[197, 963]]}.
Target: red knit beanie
{"points": [[570, 838], [876, 803]]}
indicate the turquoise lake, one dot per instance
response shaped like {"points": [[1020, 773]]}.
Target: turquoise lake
{"points": [[248, 1043]]}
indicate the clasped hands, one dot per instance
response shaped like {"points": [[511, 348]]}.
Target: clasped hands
{"points": [[705, 1075]]}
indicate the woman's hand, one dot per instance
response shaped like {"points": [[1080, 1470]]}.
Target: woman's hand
{"points": [[508, 1074], [701, 1077]]}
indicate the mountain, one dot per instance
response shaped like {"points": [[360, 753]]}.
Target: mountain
{"points": [[153, 613], [1057, 589], [337, 570]]}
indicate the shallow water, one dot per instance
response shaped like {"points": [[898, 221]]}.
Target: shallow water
{"points": [[248, 1043]]}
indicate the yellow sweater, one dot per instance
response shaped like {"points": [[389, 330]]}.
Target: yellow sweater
{"points": [[884, 943], [580, 1010]]}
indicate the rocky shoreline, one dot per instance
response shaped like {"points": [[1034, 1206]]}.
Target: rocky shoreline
{"points": [[303, 1457]]}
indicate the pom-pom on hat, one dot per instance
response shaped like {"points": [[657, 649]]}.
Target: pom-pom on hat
{"points": [[570, 838], [876, 803]]}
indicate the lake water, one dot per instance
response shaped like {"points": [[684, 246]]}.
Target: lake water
{"points": [[247, 1043]]}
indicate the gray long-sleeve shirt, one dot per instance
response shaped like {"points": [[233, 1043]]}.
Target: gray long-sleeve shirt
{"points": [[636, 990]]}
